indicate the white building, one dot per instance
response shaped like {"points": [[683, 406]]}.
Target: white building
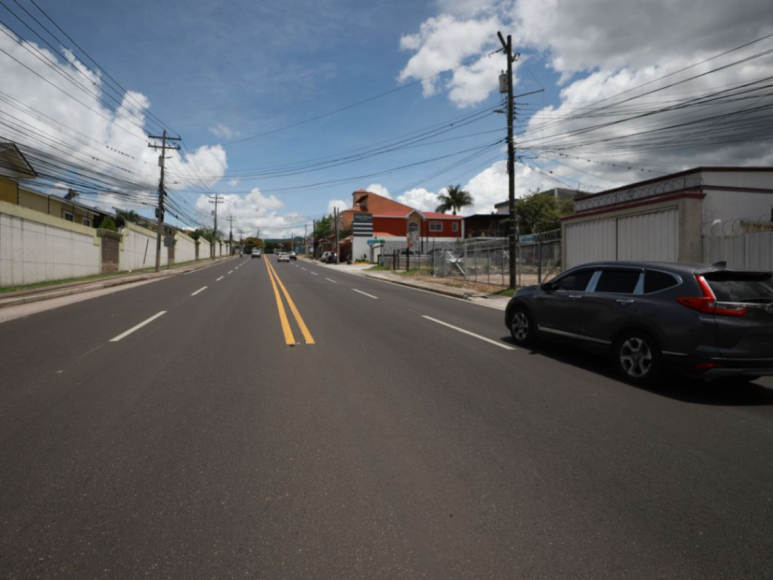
{"points": [[665, 219]]}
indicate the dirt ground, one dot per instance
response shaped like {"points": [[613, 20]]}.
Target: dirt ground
{"points": [[483, 288]]}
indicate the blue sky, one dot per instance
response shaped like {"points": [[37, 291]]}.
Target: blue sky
{"points": [[218, 72]]}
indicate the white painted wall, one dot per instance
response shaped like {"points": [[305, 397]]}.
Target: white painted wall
{"points": [[138, 249], [37, 250], [184, 249], [744, 252], [204, 249], [736, 205]]}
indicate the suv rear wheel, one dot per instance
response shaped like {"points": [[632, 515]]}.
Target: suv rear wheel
{"points": [[522, 327], [638, 357]]}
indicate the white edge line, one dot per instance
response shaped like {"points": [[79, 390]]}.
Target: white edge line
{"points": [[463, 331], [221, 277], [199, 290], [329, 280], [365, 294], [315, 274], [140, 325], [231, 272]]}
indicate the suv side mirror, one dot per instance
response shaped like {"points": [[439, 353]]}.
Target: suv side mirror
{"points": [[546, 287]]}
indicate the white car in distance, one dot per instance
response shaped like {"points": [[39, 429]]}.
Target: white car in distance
{"points": [[283, 257]]}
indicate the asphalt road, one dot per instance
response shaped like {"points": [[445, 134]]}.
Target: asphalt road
{"points": [[383, 444]]}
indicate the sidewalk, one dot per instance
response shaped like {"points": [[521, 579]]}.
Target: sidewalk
{"points": [[57, 291]]}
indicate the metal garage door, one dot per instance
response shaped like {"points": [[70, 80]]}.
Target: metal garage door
{"points": [[648, 236]]}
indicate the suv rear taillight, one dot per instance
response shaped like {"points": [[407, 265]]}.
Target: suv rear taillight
{"points": [[707, 303]]}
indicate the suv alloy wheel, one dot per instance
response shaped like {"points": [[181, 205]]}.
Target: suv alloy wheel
{"points": [[637, 356]]}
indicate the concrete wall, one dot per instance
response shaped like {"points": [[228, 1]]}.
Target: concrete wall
{"points": [[204, 249], [35, 247], [744, 252], [185, 249], [138, 248]]}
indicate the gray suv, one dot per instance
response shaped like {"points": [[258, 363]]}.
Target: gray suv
{"points": [[704, 320]]}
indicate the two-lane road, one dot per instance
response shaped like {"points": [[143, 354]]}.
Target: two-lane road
{"points": [[290, 420]]}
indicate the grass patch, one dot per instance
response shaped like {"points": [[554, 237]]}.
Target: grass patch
{"points": [[412, 273], [47, 283], [377, 268], [505, 292]]}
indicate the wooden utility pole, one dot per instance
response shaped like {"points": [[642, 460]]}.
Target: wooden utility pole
{"points": [[513, 238], [161, 191]]}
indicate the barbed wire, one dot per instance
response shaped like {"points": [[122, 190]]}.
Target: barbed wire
{"points": [[738, 226]]}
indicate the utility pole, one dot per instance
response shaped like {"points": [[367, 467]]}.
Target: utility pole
{"points": [[161, 191], [313, 239], [231, 219], [338, 245], [513, 241], [306, 239], [216, 199]]}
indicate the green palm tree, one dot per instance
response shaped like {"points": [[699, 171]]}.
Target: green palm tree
{"points": [[454, 199]]}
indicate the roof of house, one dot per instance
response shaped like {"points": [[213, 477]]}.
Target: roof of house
{"points": [[19, 166]]}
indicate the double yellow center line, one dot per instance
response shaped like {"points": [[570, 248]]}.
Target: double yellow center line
{"points": [[288, 332]]}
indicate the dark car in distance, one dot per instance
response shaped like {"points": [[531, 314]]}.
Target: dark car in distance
{"points": [[709, 321]]}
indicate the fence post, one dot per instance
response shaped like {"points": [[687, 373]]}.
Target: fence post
{"points": [[539, 262]]}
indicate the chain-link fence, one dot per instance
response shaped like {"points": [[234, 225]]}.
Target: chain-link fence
{"points": [[481, 260]]}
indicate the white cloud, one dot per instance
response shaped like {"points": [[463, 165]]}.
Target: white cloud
{"points": [[379, 189], [599, 58], [340, 204], [445, 42], [254, 211], [113, 142], [420, 199], [233, 182], [224, 131]]}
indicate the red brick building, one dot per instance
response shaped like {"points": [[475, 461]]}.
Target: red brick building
{"points": [[375, 216]]}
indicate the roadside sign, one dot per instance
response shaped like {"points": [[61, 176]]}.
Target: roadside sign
{"points": [[375, 241]]}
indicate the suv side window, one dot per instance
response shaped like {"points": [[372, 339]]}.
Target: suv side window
{"points": [[655, 281], [574, 282], [618, 281]]}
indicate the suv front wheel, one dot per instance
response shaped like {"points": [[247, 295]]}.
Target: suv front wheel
{"points": [[522, 327], [638, 357]]}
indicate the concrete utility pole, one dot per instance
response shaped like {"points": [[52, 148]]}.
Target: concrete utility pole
{"points": [[161, 191], [216, 199], [231, 219], [313, 239], [305, 239], [338, 245]]}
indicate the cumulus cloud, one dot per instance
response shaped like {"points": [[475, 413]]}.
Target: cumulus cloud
{"points": [[224, 131], [379, 189], [445, 42], [420, 199], [233, 182], [113, 142], [339, 204], [254, 211], [631, 50]]}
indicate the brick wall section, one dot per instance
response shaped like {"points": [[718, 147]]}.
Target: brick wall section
{"points": [[110, 254]]}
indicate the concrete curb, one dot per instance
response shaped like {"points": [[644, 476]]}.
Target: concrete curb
{"points": [[28, 296]]}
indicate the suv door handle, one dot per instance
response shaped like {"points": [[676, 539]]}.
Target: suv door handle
{"points": [[624, 301], [574, 296]]}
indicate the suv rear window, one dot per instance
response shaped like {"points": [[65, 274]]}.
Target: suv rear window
{"points": [[655, 281], [618, 281], [741, 286]]}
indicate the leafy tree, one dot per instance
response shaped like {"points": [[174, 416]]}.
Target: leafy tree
{"points": [[128, 216], [108, 224], [541, 212], [206, 233], [454, 199]]}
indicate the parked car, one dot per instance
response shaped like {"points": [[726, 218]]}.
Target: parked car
{"points": [[293, 256], [703, 320], [256, 253], [328, 258], [283, 257], [323, 257]]}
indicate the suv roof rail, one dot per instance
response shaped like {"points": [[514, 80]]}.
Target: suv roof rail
{"points": [[722, 264]]}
